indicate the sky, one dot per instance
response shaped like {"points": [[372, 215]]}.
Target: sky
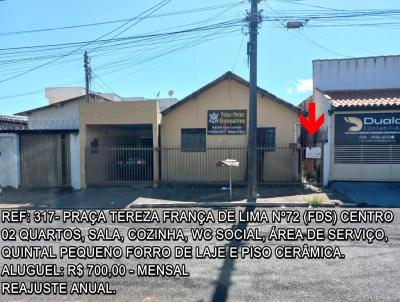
{"points": [[284, 56]]}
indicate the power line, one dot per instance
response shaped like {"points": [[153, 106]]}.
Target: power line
{"points": [[170, 50], [33, 92], [238, 53], [212, 32], [162, 56], [97, 77], [150, 12], [321, 46], [80, 47], [314, 6], [119, 44], [343, 41], [280, 20], [168, 14], [144, 42]]}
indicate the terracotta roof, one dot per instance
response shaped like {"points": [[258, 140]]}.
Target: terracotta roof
{"points": [[232, 76], [364, 98]]}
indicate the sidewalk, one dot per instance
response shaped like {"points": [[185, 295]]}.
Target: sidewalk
{"points": [[117, 198]]}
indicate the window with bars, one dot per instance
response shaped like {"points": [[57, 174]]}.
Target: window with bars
{"points": [[193, 140], [266, 138]]}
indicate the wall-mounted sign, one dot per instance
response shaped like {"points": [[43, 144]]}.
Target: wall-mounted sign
{"points": [[313, 152], [367, 128], [227, 122]]}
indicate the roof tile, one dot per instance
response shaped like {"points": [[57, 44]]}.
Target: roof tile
{"points": [[364, 98]]}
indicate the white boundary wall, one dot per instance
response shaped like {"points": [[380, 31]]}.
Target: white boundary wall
{"points": [[9, 160], [75, 161]]}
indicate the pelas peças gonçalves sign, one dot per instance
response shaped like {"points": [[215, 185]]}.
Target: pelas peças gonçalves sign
{"points": [[367, 129], [227, 122]]}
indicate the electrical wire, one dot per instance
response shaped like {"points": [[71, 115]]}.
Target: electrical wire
{"points": [[80, 47], [168, 14], [280, 20]]}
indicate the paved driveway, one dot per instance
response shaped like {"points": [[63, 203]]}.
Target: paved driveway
{"points": [[375, 194]]}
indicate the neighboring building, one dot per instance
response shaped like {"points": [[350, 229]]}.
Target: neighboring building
{"points": [[114, 132], [13, 122], [360, 98], [50, 150], [9, 149], [60, 113]]}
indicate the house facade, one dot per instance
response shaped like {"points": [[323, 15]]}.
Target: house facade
{"points": [[113, 141], [211, 124]]}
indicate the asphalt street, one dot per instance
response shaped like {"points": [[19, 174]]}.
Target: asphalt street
{"points": [[369, 272]]}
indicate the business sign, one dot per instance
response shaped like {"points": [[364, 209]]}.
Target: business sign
{"points": [[313, 152], [227, 122], [367, 128]]}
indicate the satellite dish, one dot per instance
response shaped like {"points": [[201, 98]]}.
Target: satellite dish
{"points": [[171, 93]]}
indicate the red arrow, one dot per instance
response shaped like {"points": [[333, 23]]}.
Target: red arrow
{"points": [[311, 124]]}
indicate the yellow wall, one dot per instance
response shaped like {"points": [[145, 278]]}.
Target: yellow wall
{"points": [[118, 113], [199, 166], [228, 94]]}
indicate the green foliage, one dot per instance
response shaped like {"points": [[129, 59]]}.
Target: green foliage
{"points": [[315, 201]]}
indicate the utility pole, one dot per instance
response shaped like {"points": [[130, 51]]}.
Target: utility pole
{"points": [[252, 133], [88, 75]]}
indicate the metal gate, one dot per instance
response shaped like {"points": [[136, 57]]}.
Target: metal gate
{"points": [[45, 160], [113, 166], [311, 168], [366, 162]]}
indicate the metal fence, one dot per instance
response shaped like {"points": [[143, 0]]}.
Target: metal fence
{"points": [[119, 165], [125, 166]]}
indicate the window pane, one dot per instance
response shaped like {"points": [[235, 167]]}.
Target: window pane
{"points": [[193, 140], [270, 139], [266, 138]]}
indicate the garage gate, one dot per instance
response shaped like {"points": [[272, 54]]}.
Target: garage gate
{"points": [[45, 160], [366, 162]]}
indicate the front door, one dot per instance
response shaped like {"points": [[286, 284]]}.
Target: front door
{"points": [[265, 144]]}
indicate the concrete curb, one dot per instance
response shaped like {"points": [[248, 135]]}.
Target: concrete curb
{"points": [[225, 204]]}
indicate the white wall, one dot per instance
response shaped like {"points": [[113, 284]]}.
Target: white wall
{"points": [[9, 160], [357, 73], [75, 161], [56, 117], [58, 94], [322, 107]]}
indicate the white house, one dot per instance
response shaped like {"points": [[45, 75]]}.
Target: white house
{"points": [[360, 98]]}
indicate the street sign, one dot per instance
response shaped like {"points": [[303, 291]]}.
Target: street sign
{"points": [[229, 163], [313, 152]]}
